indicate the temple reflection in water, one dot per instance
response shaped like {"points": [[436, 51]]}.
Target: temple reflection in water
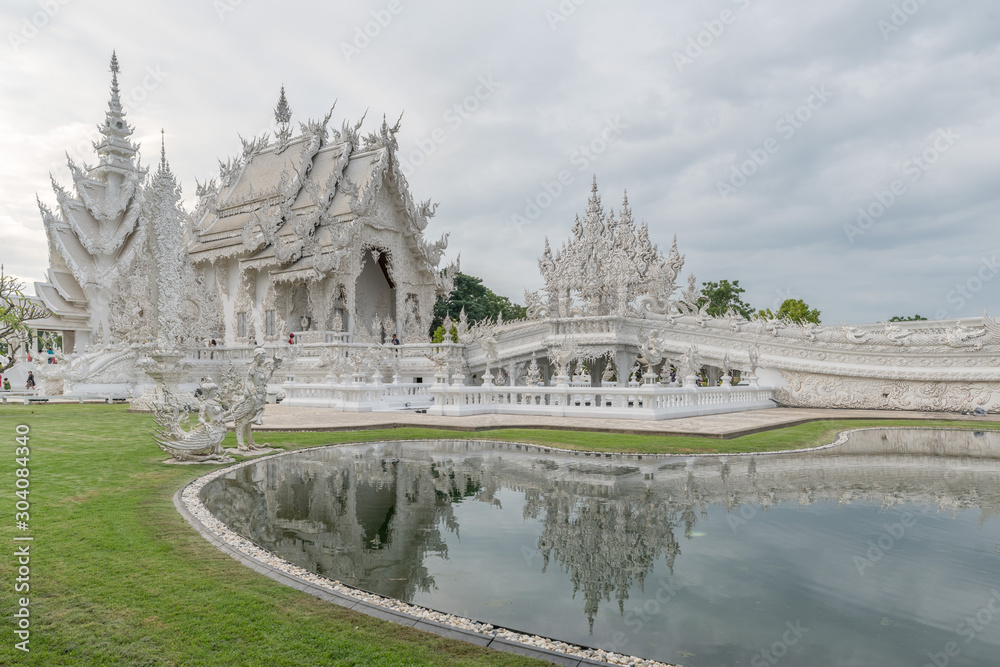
{"points": [[370, 515]]}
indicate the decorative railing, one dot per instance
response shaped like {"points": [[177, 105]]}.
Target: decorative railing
{"points": [[306, 337], [358, 397], [316, 349], [589, 325], [222, 353], [640, 402]]}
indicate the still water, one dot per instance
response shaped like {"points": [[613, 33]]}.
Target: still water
{"points": [[884, 551]]}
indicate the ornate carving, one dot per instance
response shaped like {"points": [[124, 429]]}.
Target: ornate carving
{"points": [[202, 443], [604, 246], [247, 405], [816, 390]]}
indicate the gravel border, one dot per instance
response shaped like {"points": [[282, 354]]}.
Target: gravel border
{"points": [[189, 505]]}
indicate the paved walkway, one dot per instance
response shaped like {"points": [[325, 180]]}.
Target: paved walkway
{"points": [[287, 418]]}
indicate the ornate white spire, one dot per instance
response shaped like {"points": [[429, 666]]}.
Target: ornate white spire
{"points": [[163, 151], [166, 240], [115, 150], [595, 210], [283, 116], [607, 265]]}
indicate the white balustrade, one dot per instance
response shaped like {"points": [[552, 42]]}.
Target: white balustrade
{"points": [[640, 402], [358, 397]]}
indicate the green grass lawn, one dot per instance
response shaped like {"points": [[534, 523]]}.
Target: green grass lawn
{"points": [[119, 578]]}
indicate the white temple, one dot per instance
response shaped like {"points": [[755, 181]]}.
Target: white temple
{"points": [[316, 234], [96, 239]]}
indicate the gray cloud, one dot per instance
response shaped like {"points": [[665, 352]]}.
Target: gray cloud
{"points": [[562, 81]]}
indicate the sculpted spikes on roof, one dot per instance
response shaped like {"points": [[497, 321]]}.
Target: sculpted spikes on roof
{"points": [[282, 112], [576, 276], [163, 151], [283, 116]]}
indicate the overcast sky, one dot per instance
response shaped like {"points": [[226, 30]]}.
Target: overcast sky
{"points": [[755, 131]]}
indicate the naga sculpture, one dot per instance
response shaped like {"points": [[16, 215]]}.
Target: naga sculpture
{"points": [[243, 404], [200, 444], [248, 407]]}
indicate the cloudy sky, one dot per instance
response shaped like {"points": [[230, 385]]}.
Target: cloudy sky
{"points": [[846, 153]]}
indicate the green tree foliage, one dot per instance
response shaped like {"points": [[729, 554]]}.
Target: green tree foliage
{"points": [[439, 334], [902, 318], [480, 303], [722, 296], [16, 310], [793, 310]]}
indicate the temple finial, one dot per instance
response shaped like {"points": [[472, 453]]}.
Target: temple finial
{"points": [[282, 112], [283, 116], [114, 72], [163, 150]]}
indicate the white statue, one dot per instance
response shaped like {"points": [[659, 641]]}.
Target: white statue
{"points": [[533, 377], [248, 408], [202, 443]]}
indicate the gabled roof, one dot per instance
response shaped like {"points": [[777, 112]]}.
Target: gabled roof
{"points": [[59, 306], [268, 186], [277, 203], [67, 286]]}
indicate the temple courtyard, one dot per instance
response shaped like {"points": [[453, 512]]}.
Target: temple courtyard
{"points": [[731, 425], [119, 577]]}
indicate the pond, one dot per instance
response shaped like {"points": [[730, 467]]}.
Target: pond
{"points": [[883, 551]]}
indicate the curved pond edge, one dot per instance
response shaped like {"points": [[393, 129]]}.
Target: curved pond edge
{"points": [[189, 505]]}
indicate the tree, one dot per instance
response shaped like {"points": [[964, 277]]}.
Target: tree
{"points": [[480, 303], [722, 296], [440, 334], [16, 310], [901, 318], [793, 310]]}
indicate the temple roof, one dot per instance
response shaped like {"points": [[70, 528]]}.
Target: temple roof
{"points": [[298, 203], [59, 306], [275, 186], [67, 286]]}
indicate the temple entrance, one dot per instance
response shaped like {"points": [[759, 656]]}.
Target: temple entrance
{"points": [[375, 297]]}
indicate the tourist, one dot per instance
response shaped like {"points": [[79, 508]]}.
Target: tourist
{"points": [[291, 338], [30, 384], [6, 384], [211, 354], [395, 341]]}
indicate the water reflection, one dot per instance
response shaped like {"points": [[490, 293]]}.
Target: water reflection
{"points": [[384, 516]]}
